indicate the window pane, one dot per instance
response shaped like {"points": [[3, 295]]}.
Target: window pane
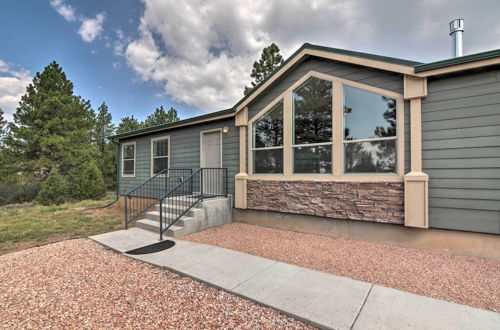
{"points": [[316, 159], [160, 148], [268, 129], [368, 115], [128, 166], [128, 151], [312, 104], [268, 161], [159, 164], [370, 157]]}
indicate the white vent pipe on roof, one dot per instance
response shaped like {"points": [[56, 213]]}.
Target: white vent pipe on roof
{"points": [[456, 33]]}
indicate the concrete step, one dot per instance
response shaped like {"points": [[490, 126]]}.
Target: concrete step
{"points": [[177, 209], [154, 226], [188, 201], [155, 215]]}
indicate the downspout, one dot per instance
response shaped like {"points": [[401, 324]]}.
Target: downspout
{"points": [[117, 179]]}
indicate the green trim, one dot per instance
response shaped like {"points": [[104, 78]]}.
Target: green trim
{"points": [[175, 123], [457, 60]]}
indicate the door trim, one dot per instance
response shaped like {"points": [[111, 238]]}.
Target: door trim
{"points": [[201, 144]]}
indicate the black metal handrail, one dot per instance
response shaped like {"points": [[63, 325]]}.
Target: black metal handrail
{"points": [[141, 198], [204, 183]]}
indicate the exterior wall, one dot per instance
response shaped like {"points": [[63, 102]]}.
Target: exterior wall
{"points": [[184, 152], [461, 151], [370, 201], [382, 79]]}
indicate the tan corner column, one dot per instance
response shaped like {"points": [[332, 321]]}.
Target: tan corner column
{"points": [[240, 180], [416, 181]]}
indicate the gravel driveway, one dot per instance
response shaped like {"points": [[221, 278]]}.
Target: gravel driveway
{"points": [[461, 279], [79, 284]]}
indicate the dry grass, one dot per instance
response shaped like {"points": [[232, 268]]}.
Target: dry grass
{"points": [[80, 284], [27, 225], [461, 279]]}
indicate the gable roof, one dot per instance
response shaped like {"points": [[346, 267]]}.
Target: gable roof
{"points": [[364, 59]]}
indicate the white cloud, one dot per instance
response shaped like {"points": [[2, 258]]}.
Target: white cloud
{"points": [[13, 83], [202, 51], [91, 28], [64, 10]]}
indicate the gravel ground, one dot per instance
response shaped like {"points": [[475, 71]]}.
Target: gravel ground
{"points": [[80, 284], [461, 279]]}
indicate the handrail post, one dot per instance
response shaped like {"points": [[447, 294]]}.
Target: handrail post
{"points": [[126, 212], [201, 184], [226, 181], [161, 221]]}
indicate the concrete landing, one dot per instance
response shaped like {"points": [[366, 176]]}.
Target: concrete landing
{"points": [[321, 299]]}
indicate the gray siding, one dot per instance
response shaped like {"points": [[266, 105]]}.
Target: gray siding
{"points": [[185, 152], [382, 79], [461, 151]]}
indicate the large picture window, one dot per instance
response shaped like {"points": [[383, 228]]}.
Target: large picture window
{"points": [[369, 132], [267, 144], [312, 127], [128, 159], [159, 154]]}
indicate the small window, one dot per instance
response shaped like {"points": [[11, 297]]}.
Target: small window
{"points": [[267, 145], [370, 137], [128, 159], [159, 154], [312, 125]]}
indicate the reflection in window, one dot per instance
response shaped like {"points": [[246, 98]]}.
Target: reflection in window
{"points": [[268, 141], [312, 123], [370, 157], [160, 155], [369, 118], [316, 159]]}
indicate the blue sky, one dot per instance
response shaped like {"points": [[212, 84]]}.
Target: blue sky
{"points": [[196, 55]]}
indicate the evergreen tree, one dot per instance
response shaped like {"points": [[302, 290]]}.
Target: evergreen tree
{"points": [[51, 127], [2, 120], [91, 184], [54, 189], [103, 127], [128, 124], [160, 116], [270, 59]]}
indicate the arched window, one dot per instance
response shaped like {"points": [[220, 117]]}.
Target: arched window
{"points": [[312, 127], [267, 144]]}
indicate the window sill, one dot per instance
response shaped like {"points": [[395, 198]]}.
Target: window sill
{"points": [[327, 177]]}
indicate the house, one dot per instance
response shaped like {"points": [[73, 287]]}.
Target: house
{"points": [[350, 144]]}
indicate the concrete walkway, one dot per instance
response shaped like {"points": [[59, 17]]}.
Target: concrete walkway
{"points": [[321, 299]]}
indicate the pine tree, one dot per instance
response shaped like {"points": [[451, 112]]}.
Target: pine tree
{"points": [[128, 124], [54, 189], [51, 127], [103, 127], [160, 116], [92, 184], [270, 59], [2, 120]]}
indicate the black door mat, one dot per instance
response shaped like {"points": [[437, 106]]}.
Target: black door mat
{"points": [[156, 247]]}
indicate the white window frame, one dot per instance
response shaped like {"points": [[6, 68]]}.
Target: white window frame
{"points": [[319, 144], [152, 157], [202, 133], [252, 136], [123, 159]]}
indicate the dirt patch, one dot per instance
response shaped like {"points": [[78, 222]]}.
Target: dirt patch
{"points": [[456, 278]]}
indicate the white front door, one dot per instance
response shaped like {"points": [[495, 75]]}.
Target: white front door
{"points": [[211, 159], [211, 150]]}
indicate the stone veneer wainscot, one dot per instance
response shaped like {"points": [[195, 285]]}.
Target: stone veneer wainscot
{"points": [[369, 201]]}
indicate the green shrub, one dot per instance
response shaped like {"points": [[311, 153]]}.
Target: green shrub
{"points": [[87, 182], [54, 190], [13, 192]]}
